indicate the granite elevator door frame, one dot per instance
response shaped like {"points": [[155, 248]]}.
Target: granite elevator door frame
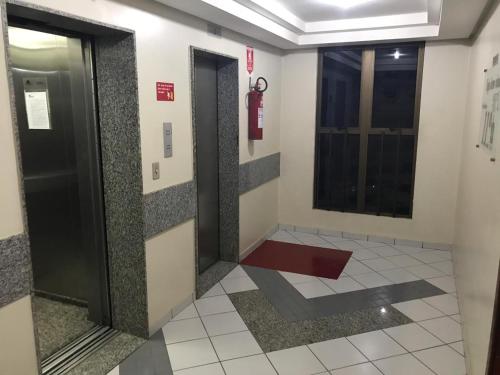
{"points": [[117, 112], [228, 152]]}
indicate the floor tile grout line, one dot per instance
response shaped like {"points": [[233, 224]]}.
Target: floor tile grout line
{"points": [[378, 359], [355, 347]]}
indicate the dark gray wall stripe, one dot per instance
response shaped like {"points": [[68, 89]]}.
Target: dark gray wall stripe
{"points": [[258, 172], [169, 207], [15, 269]]}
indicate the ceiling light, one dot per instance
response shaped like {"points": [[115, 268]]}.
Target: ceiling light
{"points": [[346, 4], [397, 54], [383, 310]]}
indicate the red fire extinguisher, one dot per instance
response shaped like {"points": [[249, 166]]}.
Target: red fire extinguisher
{"points": [[256, 109]]}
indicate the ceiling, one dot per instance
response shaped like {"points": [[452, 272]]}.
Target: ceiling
{"points": [[293, 24]]}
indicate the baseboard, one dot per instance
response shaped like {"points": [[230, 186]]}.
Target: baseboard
{"points": [[368, 237], [171, 314], [257, 243]]}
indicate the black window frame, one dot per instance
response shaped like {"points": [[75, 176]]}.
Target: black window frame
{"points": [[365, 128]]}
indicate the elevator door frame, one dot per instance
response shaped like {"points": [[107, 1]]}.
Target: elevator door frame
{"points": [[99, 304], [228, 137]]}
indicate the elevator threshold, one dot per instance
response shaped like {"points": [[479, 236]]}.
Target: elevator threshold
{"points": [[71, 355]]}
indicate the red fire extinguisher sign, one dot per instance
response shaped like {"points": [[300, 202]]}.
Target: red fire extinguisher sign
{"points": [[250, 60]]}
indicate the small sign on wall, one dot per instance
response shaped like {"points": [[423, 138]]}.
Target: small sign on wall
{"points": [[250, 60], [165, 92]]}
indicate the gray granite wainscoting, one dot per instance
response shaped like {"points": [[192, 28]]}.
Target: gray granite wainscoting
{"points": [[15, 269], [166, 208], [257, 172]]}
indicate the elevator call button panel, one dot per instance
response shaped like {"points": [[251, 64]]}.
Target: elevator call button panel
{"points": [[167, 139]]}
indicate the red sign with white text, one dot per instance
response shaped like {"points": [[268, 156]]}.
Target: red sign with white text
{"points": [[250, 60], [165, 92]]}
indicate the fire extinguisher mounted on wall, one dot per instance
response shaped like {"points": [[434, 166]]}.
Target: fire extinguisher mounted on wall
{"points": [[256, 108]]}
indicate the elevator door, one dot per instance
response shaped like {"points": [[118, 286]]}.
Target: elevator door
{"points": [[207, 160], [59, 142]]}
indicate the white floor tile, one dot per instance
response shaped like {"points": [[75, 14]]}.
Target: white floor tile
{"points": [[445, 254], [457, 318], [212, 369], [214, 305], [424, 271], [238, 271], [446, 267], [221, 324], [458, 347], [371, 280], [191, 353], [370, 244], [337, 353], [238, 284], [418, 310], [295, 361], [309, 238], [350, 245], [115, 371], [188, 313], [235, 345], [399, 275], [445, 328], [314, 289], [432, 256], [331, 239], [386, 251], [216, 290], [183, 330], [343, 284], [445, 303], [379, 264], [364, 254], [404, 260], [376, 345], [409, 249], [297, 278], [412, 337], [362, 369], [442, 360], [284, 236], [254, 365], [403, 364], [354, 267], [445, 283]]}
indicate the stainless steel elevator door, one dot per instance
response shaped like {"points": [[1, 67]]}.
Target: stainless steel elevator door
{"points": [[59, 143], [207, 160]]}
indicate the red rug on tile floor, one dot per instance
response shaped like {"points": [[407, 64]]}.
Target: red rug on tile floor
{"points": [[307, 260]]}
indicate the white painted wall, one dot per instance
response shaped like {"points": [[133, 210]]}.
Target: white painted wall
{"points": [[440, 137], [478, 213]]}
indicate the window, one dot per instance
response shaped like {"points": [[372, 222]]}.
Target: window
{"points": [[367, 127]]}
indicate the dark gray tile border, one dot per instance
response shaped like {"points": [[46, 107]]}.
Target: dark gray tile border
{"points": [[150, 359], [169, 207], [258, 172], [293, 306], [15, 269], [274, 332]]}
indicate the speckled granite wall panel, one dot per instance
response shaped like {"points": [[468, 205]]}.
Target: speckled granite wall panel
{"points": [[258, 172], [169, 207], [227, 92], [15, 269], [121, 162]]}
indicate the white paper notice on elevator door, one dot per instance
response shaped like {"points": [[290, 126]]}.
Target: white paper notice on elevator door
{"points": [[37, 109]]}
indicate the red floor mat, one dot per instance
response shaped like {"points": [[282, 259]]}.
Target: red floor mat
{"points": [[307, 260]]}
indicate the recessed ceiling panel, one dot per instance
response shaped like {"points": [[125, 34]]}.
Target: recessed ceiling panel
{"points": [[326, 10]]}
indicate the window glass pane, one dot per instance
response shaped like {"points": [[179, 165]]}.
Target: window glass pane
{"points": [[389, 174], [394, 88], [341, 86], [337, 185]]}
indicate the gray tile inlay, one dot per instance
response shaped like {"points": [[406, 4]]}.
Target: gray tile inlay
{"points": [[293, 306], [258, 172], [274, 332], [169, 207], [212, 276], [15, 269], [150, 359]]}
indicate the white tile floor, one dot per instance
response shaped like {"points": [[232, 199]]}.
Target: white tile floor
{"points": [[372, 265], [209, 337]]}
